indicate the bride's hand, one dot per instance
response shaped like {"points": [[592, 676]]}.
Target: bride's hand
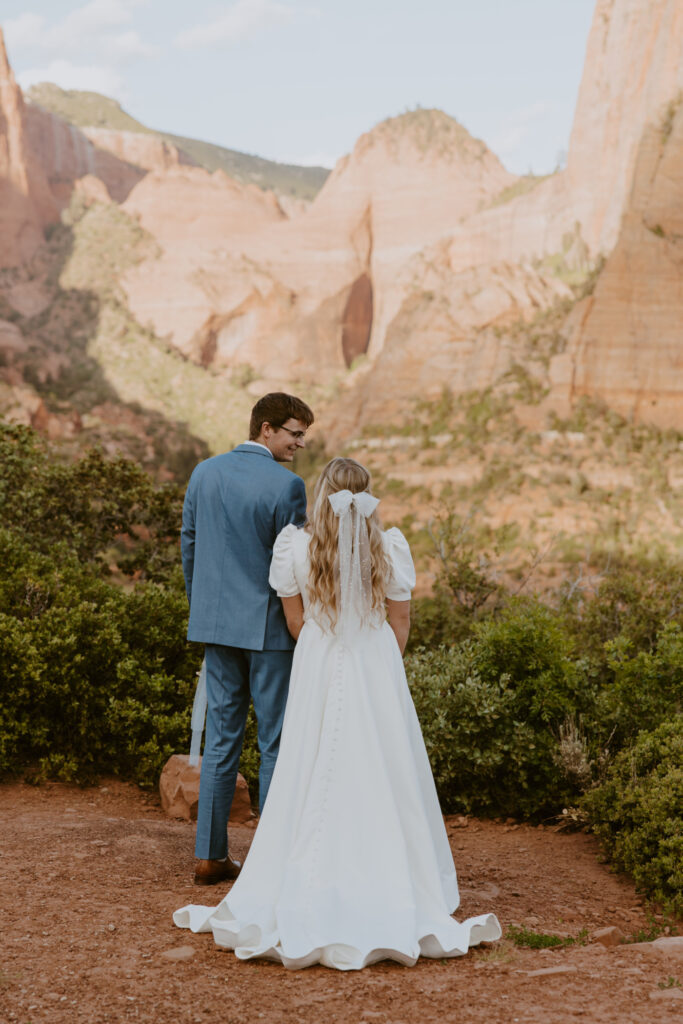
{"points": [[293, 608]]}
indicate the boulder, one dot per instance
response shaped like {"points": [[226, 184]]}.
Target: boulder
{"points": [[29, 298], [92, 189], [667, 994], [666, 946], [179, 791], [12, 341], [611, 936]]}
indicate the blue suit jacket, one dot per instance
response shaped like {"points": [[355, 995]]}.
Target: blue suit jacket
{"points": [[235, 506]]}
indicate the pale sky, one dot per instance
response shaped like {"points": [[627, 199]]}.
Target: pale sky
{"points": [[300, 80]]}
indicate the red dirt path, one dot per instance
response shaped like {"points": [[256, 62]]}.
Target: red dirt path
{"points": [[90, 879]]}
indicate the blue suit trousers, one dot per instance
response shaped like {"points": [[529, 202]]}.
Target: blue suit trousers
{"points": [[233, 677]]}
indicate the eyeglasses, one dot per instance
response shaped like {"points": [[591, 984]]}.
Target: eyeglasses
{"points": [[298, 435]]}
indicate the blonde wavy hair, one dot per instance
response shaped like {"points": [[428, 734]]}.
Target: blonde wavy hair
{"points": [[338, 475]]}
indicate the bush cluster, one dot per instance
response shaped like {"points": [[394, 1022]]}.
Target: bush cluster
{"points": [[92, 678], [95, 676], [638, 812], [491, 708], [517, 722], [107, 513]]}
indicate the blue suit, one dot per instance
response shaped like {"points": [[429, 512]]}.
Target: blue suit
{"points": [[235, 506]]}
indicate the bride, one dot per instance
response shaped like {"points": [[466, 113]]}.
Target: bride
{"points": [[350, 863]]}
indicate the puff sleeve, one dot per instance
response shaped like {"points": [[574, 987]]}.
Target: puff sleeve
{"points": [[282, 578], [403, 571]]}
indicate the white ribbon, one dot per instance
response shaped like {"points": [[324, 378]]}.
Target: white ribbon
{"points": [[198, 716], [341, 501], [355, 563]]}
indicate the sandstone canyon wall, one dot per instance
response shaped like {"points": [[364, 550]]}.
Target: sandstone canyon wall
{"points": [[286, 298], [622, 186], [198, 281], [281, 296], [26, 203], [407, 183], [627, 347], [633, 70], [66, 154], [450, 331], [42, 157], [420, 253]]}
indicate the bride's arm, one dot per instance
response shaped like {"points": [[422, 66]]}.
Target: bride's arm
{"points": [[294, 613], [398, 613]]}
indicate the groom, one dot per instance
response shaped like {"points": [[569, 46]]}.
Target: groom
{"points": [[235, 506]]}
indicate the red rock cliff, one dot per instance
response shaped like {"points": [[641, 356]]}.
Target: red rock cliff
{"points": [[26, 203]]}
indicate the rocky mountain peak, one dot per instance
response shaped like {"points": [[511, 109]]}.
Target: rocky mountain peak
{"points": [[429, 132]]}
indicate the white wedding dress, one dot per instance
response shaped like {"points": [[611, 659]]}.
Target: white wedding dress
{"points": [[350, 862]]}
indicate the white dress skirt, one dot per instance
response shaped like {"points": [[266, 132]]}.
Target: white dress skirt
{"points": [[350, 863]]}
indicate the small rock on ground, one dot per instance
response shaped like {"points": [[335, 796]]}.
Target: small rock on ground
{"points": [[179, 953], [560, 969]]}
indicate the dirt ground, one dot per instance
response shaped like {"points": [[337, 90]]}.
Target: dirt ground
{"points": [[90, 878]]}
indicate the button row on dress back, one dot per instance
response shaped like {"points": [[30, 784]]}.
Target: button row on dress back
{"points": [[337, 700]]}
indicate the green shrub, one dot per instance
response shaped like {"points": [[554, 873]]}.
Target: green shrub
{"points": [[491, 710], [528, 645], [635, 599], [437, 620], [92, 678], [250, 760], [475, 746], [638, 813], [645, 689], [466, 587], [108, 512], [21, 668], [543, 940]]}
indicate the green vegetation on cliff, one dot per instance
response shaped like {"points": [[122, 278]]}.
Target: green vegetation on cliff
{"points": [[84, 109], [284, 179], [520, 187], [91, 109]]}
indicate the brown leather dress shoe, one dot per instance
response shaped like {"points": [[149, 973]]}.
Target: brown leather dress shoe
{"points": [[209, 872]]}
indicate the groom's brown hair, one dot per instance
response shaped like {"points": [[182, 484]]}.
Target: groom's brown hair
{"points": [[276, 408]]}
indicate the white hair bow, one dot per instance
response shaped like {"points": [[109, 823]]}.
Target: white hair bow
{"points": [[342, 501], [355, 560]]}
